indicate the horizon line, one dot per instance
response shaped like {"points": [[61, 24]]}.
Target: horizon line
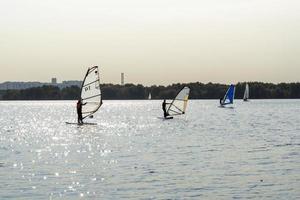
{"points": [[174, 83]]}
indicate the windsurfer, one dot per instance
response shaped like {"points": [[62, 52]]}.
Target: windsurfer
{"points": [[164, 104], [79, 111]]}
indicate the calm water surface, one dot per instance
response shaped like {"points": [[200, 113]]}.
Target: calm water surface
{"points": [[249, 151]]}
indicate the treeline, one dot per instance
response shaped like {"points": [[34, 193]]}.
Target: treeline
{"points": [[41, 93], [258, 90]]}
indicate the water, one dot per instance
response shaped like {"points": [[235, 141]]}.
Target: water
{"points": [[250, 151]]}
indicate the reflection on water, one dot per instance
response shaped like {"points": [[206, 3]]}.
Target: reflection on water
{"points": [[250, 151]]}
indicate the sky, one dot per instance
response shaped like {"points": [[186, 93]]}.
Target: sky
{"points": [[152, 42]]}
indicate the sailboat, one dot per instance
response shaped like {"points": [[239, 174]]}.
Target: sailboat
{"points": [[246, 93], [90, 93], [179, 103], [149, 96], [229, 96]]}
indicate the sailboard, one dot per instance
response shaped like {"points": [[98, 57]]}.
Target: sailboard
{"points": [[149, 96], [90, 92], [246, 93], [164, 118], [80, 124], [229, 96], [179, 103]]}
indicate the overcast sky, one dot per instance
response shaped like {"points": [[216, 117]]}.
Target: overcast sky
{"points": [[151, 41]]}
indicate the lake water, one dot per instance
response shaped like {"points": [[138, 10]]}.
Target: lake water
{"points": [[249, 151]]}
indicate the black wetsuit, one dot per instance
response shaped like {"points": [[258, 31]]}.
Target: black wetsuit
{"points": [[164, 109], [79, 113]]}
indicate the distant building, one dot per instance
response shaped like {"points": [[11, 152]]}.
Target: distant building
{"points": [[54, 81], [70, 83], [26, 85], [122, 78], [19, 85]]}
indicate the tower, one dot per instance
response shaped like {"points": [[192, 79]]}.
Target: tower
{"points": [[122, 78]]}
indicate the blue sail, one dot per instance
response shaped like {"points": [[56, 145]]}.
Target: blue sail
{"points": [[229, 96]]}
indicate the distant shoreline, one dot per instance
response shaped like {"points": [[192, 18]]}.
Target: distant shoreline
{"points": [[201, 91]]}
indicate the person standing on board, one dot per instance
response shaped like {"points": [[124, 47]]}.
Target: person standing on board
{"points": [[164, 104], [79, 111]]}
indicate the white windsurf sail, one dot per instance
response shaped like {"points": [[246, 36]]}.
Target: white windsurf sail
{"points": [[178, 105], [149, 96], [91, 92], [246, 93]]}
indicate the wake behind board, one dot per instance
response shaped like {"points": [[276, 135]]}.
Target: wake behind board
{"points": [[79, 124]]}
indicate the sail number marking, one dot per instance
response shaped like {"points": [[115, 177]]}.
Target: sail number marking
{"points": [[87, 88]]}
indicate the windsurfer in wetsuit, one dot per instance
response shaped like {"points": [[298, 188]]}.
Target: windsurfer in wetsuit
{"points": [[164, 104], [79, 111]]}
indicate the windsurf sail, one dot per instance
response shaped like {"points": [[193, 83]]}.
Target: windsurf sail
{"points": [[178, 105], [229, 96], [246, 93], [149, 96], [91, 92]]}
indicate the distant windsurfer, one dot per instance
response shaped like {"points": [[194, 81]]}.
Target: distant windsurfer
{"points": [[79, 111], [164, 104], [221, 101]]}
